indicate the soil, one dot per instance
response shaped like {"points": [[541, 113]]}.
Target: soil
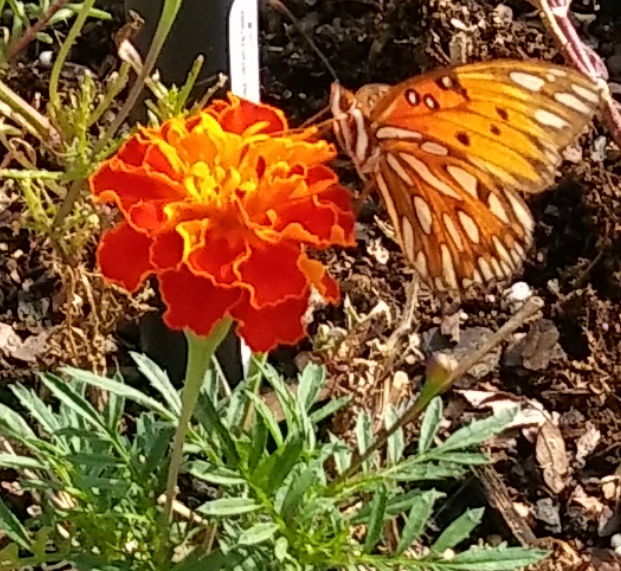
{"points": [[563, 365]]}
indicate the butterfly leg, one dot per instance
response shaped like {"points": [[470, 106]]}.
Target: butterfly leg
{"points": [[368, 187]]}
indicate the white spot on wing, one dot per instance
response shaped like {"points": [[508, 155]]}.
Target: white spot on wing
{"points": [[362, 139], [558, 72], [521, 212], [572, 102], [469, 226], [388, 201], [527, 81], [434, 148], [397, 133], [430, 102], [420, 264], [549, 119], [412, 97], [452, 231], [466, 180], [497, 269], [497, 209], [423, 213], [501, 251], [396, 166], [585, 93], [448, 269], [485, 269], [423, 171], [408, 238]]}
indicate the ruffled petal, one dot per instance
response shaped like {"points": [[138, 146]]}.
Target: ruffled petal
{"points": [[123, 256], [272, 325], [193, 302], [272, 274]]}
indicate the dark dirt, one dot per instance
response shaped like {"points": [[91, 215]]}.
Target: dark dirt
{"points": [[569, 364]]}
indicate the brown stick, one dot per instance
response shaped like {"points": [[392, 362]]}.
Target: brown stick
{"points": [[528, 309], [33, 30]]}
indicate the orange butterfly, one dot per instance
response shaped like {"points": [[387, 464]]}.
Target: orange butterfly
{"points": [[450, 151]]}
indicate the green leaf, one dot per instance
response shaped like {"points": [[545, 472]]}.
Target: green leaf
{"points": [[257, 533], [115, 406], [395, 444], [120, 389], [216, 560], [273, 470], [13, 424], [478, 431], [329, 409], [228, 507], [21, 462], [281, 547], [364, 439], [73, 400], [394, 506], [11, 526], [430, 425], [285, 398], [211, 422], [159, 381], [258, 443], [217, 475], [95, 460], [298, 487], [311, 380], [458, 530], [420, 513], [413, 472], [465, 458], [266, 414], [36, 408], [494, 559], [376, 519], [342, 454]]}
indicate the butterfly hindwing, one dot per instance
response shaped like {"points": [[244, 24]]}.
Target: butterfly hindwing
{"points": [[451, 149]]}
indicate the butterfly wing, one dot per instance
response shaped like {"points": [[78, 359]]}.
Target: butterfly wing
{"points": [[455, 148]]}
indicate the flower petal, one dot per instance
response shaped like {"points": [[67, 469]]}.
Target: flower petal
{"points": [[194, 302], [272, 325], [123, 256], [272, 273]]}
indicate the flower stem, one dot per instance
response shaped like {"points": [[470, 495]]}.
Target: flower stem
{"points": [[200, 352]]}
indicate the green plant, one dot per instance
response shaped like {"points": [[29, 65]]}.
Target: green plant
{"points": [[278, 505], [49, 13]]}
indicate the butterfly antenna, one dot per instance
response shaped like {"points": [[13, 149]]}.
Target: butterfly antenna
{"points": [[278, 5]]}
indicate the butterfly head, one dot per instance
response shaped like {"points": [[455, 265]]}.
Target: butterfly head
{"points": [[353, 129]]}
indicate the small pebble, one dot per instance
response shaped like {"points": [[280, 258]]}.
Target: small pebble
{"points": [[518, 292], [46, 58], [615, 541]]}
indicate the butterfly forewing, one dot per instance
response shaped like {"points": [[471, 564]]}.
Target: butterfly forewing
{"points": [[449, 152]]}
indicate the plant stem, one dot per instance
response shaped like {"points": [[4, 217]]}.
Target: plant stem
{"points": [[200, 353], [169, 13], [74, 32], [431, 389], [26, 116], [33, 30]]}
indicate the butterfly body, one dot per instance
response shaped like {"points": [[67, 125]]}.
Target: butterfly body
{"points": [[451, 151]]}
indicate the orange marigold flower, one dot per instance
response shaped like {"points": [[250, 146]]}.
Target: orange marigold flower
{"points": [[220, 207]]}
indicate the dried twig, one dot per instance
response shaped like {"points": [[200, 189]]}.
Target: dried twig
{"points": [[33, 30], [527, 310]]}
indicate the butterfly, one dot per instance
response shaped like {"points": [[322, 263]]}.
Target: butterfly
{"points": [[452, 150]]}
